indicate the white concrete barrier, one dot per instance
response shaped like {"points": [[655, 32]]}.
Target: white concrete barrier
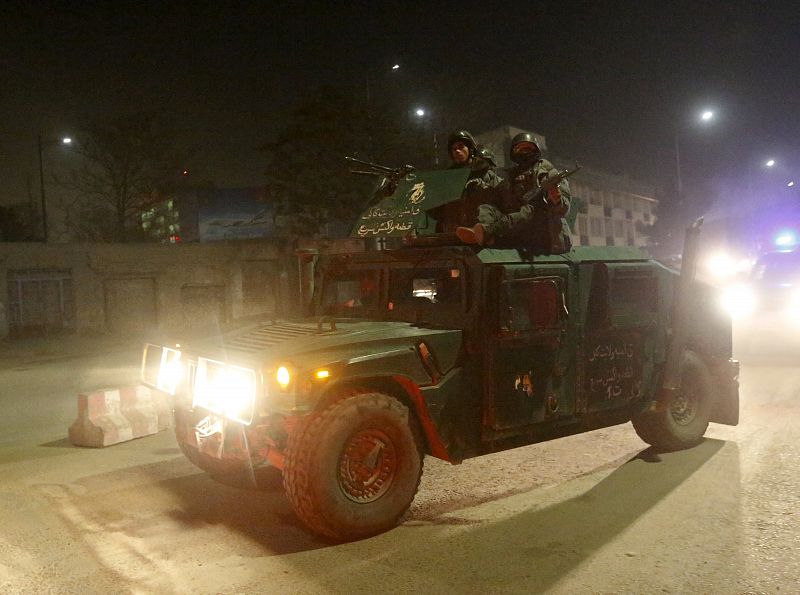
{"points": [[111, 416]]}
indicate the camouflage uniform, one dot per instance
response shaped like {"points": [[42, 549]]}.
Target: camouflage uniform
{"points": [[522, 217], [482, 188]]}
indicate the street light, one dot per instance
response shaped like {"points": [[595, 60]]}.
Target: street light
{"points": [[64, 141], [368, 97], [770, 163], [705, 116], [425, 116]]}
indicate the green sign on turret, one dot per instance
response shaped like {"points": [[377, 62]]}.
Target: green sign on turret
{"points": [[406, 210]]}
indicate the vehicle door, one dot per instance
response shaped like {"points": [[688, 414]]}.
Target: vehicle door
{"points": [[528, 354], [621, 338]]}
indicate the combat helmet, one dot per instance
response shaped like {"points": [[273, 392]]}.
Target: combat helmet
{"points": [[486, 154], [463, 136], [527, 157]]}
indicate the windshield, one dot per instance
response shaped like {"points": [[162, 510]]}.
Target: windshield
{"points": [[351, 293]]}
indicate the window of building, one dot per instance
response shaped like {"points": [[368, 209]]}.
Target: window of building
{"points": [[618, 228], [595, 226], [618, 202], [582, 225], [609, 227]]}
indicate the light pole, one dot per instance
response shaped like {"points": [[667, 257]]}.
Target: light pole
{"points": [[705, 116], [422, 116], [368, 96], [64, 141]]}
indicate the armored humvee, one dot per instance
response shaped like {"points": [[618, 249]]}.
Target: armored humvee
{"points": [[449, 351]]}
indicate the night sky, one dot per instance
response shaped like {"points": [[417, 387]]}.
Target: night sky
{"points": [[606, 83]]}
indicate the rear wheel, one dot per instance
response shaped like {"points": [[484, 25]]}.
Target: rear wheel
{"points": [[683, 420], [353, 468]]}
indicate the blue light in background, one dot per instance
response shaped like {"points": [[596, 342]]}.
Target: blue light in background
{"points": [[785, 239]]}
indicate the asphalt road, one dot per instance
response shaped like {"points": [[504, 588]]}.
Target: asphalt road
{"points": [[595, 513]]}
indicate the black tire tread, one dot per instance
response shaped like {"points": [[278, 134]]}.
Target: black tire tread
{"points": [[296, 477], [654, 428]]}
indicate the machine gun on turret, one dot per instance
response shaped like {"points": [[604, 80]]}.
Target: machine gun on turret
{"points": [[391, 177]]}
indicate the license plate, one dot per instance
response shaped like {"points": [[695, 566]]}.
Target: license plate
{"points": [[209, 433]]}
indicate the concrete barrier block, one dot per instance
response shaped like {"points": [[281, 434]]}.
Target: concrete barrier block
{"points": [[100, 421], [161, 403], [110, 416]]}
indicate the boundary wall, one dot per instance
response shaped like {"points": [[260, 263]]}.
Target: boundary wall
{"points": [[141, 288]]}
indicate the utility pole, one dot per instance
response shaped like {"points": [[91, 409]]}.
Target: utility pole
{"points": [[41, 188]]}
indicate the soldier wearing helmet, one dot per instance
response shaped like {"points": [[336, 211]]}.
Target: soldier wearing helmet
{"points": [[481, 187], [523, 219]]}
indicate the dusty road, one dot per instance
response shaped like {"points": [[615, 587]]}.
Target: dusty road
{"points": [[596, 513]]}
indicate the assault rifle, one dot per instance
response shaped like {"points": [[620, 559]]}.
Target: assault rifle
{"points": [[552, 180], [390, 177]]}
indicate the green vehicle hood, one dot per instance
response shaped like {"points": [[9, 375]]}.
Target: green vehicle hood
{"points": [[303, 344]]}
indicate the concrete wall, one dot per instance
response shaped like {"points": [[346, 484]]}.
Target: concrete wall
{"points": [[132, 288]]}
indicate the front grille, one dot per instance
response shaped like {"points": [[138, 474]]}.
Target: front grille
{"points": [[267, 336]]}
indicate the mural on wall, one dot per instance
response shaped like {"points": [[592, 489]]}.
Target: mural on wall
{"points": [[233, 214]]}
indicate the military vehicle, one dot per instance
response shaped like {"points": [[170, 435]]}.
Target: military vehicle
{"points": [[449, 351]]}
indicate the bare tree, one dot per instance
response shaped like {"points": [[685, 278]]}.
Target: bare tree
{"points": [[129, 163]]}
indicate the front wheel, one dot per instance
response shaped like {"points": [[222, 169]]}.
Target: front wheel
{"points": [[353, 468], [683, 419]]}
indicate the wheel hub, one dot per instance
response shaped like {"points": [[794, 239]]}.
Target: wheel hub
{"points": [[683, 409], [367, 466]]}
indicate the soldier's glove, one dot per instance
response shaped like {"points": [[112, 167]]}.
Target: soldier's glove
{"points": [[554, 195], [549, 184]]}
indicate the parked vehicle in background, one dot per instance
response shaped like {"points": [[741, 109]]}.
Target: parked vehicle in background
{"points": [[765, 306]]}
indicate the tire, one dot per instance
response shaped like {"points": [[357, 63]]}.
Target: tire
{"points": [[685, 416], [353, 468]]}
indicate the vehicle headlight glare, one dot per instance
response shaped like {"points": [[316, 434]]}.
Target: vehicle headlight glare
{"points": [[225, 389], [794, 306], [738, 301], [283, 377], [171, 371]]}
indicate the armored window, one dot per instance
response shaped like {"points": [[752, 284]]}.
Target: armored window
{"points": [[425, 286], [632, 295], [532, 305], [351, 292]]}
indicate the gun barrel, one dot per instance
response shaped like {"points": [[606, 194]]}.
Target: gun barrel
{"points": [[373, 166]]}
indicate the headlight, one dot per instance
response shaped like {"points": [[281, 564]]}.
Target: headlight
{"points": [[794, 306], [162, 368], [225, 389], [283, 377], [738, 301]]}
